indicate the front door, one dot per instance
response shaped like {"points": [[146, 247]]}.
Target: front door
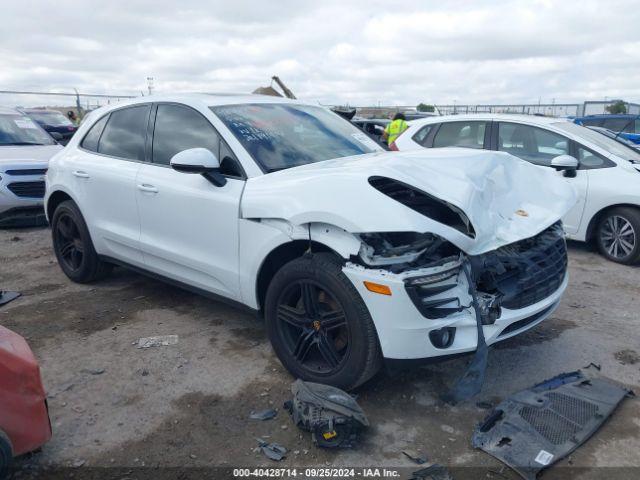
{"points": [[189, 227], [539, 146]]}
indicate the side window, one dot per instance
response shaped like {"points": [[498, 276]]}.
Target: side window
{"points": [[590, 159], [617, 124], [636, 128], [179, 128], [460, 134], [125, 132], [421, 135], [592, 122], [532, 144], [90, 140]]}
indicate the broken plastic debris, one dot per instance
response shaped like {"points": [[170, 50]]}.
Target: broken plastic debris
{"points": [[432, 472], [273, 451], [471, 381], [159, 341], [6, 297], [535, 428], [331, 415], [415, 457], [263, 414]]}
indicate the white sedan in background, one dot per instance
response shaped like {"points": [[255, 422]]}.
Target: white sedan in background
{"points": [[605, 173]]}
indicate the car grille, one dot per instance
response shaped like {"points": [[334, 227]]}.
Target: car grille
{"points": [[27, 171], [525, 272], [27, 189]]}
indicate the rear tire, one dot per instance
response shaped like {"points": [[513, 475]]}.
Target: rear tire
{"points": [[6, 455], [618, 235], [73, 246], [318, 324]]}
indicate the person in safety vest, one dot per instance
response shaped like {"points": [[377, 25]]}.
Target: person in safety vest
{"points": [[395, 128]]}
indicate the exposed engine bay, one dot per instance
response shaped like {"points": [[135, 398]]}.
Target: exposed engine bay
{"points": [[514, 276]]}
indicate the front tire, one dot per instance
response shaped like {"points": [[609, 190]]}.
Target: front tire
{"points": [[618, 235], [319, 325], [73, 246]]}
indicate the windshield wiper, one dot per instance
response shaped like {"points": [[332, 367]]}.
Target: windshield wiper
{"points": [[21, 143]]}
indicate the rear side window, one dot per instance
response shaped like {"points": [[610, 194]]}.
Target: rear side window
{"points": [[124, 134], [460, 134], [90, 140], [618, 124], [423, 134], [532, 144], [179, 128], [592, 122]]}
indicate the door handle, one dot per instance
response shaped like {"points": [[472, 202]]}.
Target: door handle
{"points": [[145, 187], [80, 174]]}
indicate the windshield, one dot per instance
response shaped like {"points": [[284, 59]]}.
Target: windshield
{"points": [[600, 140], [280, 136], [20, 130], [55, 119]]}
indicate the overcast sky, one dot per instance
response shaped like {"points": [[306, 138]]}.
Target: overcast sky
{"points": [[360, 52]]}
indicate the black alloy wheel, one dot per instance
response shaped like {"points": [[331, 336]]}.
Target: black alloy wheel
{"points": [[73, 246], [314, 327], [319, 326], [69, 242]]}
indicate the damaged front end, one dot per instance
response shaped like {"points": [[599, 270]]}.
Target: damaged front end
{"points": [[462, 299], [514, 276]]}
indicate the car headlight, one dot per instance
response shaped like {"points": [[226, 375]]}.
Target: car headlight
{"points": [[450, 270]]}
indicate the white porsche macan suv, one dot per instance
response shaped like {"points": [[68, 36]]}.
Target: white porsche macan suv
{"points": [[352, 255], [605, 173]]}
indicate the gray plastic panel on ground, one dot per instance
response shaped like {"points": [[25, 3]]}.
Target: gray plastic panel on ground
{"points": [[535, 428]]}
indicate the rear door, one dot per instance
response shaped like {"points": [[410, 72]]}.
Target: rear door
{"points": [[189, 227], [103, 175], [467, 134], [539, 146]]}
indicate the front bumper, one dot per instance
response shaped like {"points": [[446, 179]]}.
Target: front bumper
{"points": [[21, 200], [404, 332]]}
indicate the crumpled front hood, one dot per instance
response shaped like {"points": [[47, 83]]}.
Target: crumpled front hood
{"points": [[505, 198]]}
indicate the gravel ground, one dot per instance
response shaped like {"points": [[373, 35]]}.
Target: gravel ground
{"points": [[187, 405]]}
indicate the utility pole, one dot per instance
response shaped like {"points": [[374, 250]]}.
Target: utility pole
{"points": [[150, 85]]}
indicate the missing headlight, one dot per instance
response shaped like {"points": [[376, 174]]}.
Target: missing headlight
{"points": [[398, 251]]}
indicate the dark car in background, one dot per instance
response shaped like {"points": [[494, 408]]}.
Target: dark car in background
{"points": [[627, 125], [373, 127], [53, 122]]}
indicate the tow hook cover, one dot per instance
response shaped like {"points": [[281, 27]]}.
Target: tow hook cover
{"points": [[535, 428], [332, 416]]}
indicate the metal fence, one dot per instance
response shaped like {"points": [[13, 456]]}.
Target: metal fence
{"points": [[546, 109], [76, 101]]}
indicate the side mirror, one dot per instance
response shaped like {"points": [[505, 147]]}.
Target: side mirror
{"points": [[566, 164], [200, 161], [56, 136]]}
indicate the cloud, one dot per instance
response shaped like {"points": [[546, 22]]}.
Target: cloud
{"points": [[336, 52]]}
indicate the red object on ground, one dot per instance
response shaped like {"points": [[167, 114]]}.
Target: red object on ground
{"points": [[24, 416]]}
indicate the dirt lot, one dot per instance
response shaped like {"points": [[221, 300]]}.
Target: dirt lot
{"points": [[187, 405]]}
